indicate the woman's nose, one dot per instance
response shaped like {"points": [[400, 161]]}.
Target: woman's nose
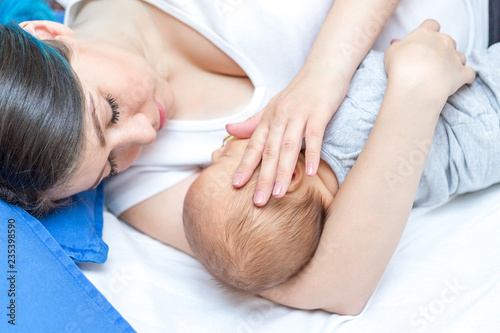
{"points": [[138, 130]]}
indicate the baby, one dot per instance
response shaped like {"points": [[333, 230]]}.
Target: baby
{"points": [[254, 249], [243, 246]]}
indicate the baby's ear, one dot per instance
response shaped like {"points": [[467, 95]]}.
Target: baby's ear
{"points": [[297, 177], [46, 29]]}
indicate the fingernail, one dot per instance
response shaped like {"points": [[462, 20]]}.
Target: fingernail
{"points": [[258, 198], [309, 169], [238, 178], [278, 188]]}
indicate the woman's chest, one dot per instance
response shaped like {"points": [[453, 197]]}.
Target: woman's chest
{"points": [[207, 83]]}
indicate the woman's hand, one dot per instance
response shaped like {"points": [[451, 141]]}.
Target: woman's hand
{"points": [[303, 109], [429, 60], [306, 106]]}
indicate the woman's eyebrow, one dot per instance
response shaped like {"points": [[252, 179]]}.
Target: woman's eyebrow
{"points": [[95, 121]]}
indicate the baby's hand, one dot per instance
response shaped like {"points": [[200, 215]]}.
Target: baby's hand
{"points": [[428, 60]]}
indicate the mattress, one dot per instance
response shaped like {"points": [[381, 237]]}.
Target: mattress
{"points": [[443, 277]]}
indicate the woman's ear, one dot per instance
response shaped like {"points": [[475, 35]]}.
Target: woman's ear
{"points": [[297, 176], [46, 29]]}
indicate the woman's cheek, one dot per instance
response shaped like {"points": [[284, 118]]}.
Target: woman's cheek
{"points": [[127, 156]]}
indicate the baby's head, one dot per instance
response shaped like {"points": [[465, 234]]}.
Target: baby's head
{"points": [[248, 248]]}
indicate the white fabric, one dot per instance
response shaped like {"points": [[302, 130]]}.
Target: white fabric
{"points": [[271, 53], [464, 20], [443, 278]]}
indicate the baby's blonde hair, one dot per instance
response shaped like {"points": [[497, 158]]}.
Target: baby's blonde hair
{"points": [[253, 249]]}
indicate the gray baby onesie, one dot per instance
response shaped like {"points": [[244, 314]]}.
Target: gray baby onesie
{"points": [[464, 155]]}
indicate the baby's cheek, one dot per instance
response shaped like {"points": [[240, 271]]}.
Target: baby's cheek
{"points": [[216, 154], [227, 171]]}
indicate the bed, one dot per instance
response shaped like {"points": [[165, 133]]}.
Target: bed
{"points": [[444, 277]]}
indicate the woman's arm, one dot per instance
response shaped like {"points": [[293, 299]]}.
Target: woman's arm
{"points": [[308, 103], [161, 215], [370, 210]]}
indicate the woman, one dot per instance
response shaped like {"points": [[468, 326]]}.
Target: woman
{"points": [[35, 167], [154, 67]]}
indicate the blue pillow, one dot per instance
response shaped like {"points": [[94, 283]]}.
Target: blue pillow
{"points": [[42, 290], [78, 227]]}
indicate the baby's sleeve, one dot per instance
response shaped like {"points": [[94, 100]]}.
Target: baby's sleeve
{"points": [[465, 152], [345, 137]]}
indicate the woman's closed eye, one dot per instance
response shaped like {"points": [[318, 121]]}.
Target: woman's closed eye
{"points": [[114, 109], [114, 120], [114, 167]]}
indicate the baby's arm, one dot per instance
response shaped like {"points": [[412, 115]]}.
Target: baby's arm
{"points": [[369, 213], [306, 106]]}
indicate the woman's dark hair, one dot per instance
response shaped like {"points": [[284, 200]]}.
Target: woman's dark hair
{"points": [[41, 120]]}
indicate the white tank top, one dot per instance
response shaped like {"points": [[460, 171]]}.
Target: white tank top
{"points": [[269, 40]]}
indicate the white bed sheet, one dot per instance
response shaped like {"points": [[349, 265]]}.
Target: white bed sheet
{"points": [[444, 277]]}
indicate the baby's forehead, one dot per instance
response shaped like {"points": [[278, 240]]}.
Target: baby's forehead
{"points": [[220, 173], [213, 184], [208, 200]]}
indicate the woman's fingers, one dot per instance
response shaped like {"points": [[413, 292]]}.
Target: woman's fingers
{"points": [[431, 24], [249, 129], [270, 160], [469, 74], [280, 156], [245, 128], [252, 156], [462, 57], [302, 109], [288, 155], [314, 140], [276, 145]]}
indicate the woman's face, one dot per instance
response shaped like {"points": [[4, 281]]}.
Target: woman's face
{"points": [[127, 103]]}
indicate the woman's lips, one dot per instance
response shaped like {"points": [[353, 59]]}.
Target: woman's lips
{"points": [[163, 115]]}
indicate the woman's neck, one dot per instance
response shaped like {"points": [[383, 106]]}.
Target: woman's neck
{"points": [[106, 22]]}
